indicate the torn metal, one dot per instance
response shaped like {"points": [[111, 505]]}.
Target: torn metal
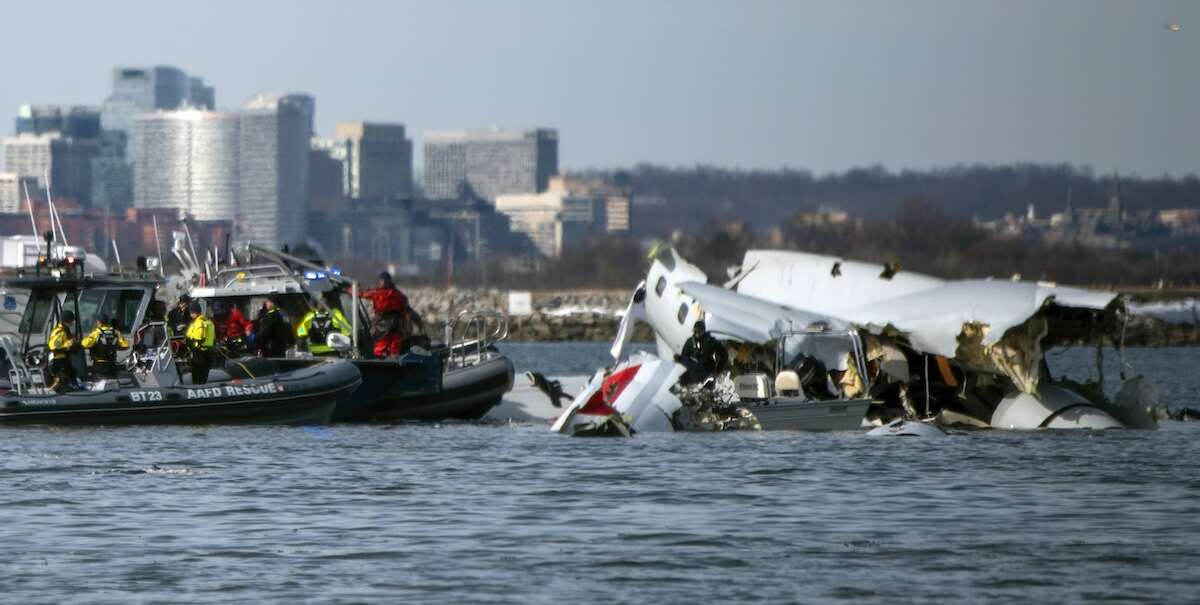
{"points": [[957, 352]]}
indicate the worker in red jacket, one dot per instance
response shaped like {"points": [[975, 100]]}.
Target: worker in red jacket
{"points": [[393, 318], [232, 327]]}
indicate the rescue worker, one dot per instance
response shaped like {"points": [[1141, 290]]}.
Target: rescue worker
{"points": [[316, 326], [232, 327], [62, 340], [179, 317], [392, 316], [201, 338], [273, 333], [104, 341], [702, 354]]}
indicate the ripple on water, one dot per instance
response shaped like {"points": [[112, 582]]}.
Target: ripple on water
{"points": [[473, 514]]}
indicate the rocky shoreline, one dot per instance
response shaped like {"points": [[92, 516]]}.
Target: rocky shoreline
{"points": [[594, 316]]}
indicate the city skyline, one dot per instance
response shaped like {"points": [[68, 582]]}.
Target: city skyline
{"points": [[817, 86]]}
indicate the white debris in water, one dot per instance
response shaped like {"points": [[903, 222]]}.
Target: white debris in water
{"points": [[569, 310]]}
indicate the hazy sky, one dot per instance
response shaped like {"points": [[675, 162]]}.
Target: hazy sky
{"points": [[816, 85]]}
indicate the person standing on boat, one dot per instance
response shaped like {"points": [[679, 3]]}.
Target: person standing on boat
{"points": [[316, 326], [273, 334], [104, 341], [178, 320], [702, 354], [201, 338], [392, 316], [62, 340], [232, 327]]}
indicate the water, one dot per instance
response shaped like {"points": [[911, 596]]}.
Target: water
{"points": [[463, 514]]}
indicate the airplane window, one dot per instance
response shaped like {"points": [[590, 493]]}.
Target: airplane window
{"points": [[661, 285], [682, 315]]}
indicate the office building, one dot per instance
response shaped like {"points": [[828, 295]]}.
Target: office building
{"points": [[273, 169], [489, 163], [112, 173], [553, 220], [615, 200], [65, 160], [143, 89], [137, 90], [12, 192], [249, 166], [75, 121], [377, 159]]}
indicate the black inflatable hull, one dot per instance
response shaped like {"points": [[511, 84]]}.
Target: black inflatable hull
{"points": [[465, 394], [304, 396], [415, 389]]}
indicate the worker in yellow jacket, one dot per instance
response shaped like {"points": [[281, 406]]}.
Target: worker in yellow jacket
{"points": [[104, 341], [201, 338], [62, 340], [316, 326]]}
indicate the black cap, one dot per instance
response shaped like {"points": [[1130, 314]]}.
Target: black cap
{"points": [[699, 324], [68, 317], [195, 308], [385, 276], [185, 297]]}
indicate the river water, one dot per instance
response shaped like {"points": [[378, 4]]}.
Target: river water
{"points": [[461, 513]]}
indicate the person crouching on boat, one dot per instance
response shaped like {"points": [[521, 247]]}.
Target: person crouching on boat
{"points": [[703, 355], [232, 328], [316, 326], [392, 316], [62, 340], [201, 338], [104, 341]]}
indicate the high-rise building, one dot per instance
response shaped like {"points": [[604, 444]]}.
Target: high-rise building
{"points": [[137, 90], [76, 121], [12, 194], [250, 166], [112, 173], [143, 89], [326, 175], [378, 159], [187, 159], [273, 167], [489, 163], [66, 160], [201, 96]]}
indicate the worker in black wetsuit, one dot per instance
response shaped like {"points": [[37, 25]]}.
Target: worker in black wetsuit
{"points": [[703, 355]]}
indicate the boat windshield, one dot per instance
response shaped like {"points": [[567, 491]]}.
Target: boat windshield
{"points": [[37, 311], [121, 306]]}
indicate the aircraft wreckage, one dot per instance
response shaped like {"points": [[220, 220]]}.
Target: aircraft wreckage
{"points": [[822, 343]]}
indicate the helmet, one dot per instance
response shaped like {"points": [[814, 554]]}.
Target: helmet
{"points": [[386, 277]]}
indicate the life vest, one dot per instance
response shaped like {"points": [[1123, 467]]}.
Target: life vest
{"points": [[104, 341], [202, 334]]}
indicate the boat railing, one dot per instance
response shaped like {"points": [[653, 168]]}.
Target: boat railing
{"points": [[471, 335], [25, 379], [226, 277]]}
